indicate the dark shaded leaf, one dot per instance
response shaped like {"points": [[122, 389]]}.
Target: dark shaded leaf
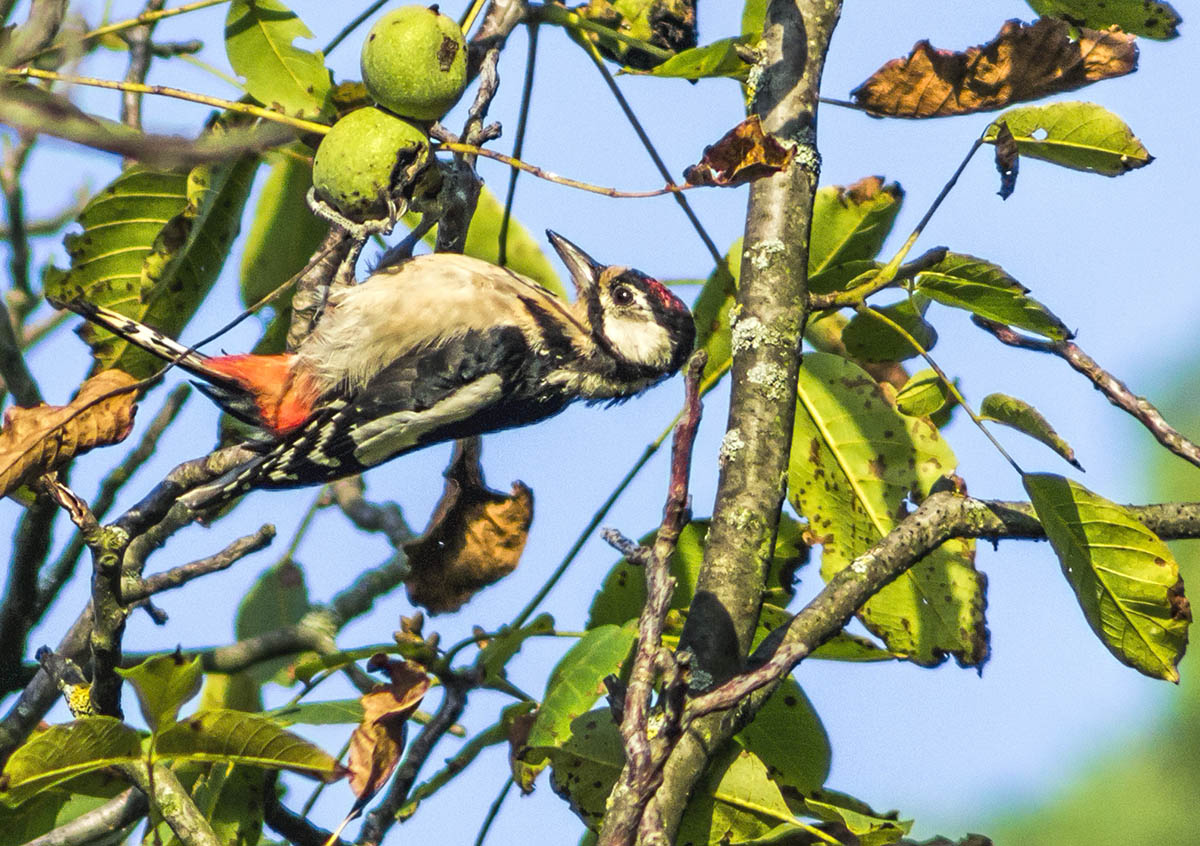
{"points": [[868, 338], [1007, 159]]}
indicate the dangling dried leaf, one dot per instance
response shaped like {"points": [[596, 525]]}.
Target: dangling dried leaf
{"points": [[1024, 62], [35, 441], [474, 538], [376, 744], [742, 154], [1007, 160]]}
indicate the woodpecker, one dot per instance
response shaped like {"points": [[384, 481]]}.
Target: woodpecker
{"points": [[433, 348]]}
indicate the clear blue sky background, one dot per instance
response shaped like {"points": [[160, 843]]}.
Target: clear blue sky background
{"points": [[1112, 258]]}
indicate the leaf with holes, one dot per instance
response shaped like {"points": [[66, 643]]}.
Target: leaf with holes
{"points": [[241, 738], [1147, 18], [1079, 136], [983, 288], [1125, 578], [61, 752], [258, 41], [1023, 417], [856, 462]]}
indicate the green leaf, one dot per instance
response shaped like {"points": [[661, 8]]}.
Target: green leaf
{"points": [[736, 801], [787, 735], [850, 224], [57, 806], [868, 338], [840, 647], [980, 287], [501, 649], [1125, 578], [258, 41], [277, 599], [719, 59], [1023, 417], [1079, 136], [868, 830], [284, 233], [61, 752], [754, 15], [712, 309], [840, 277], [163, 683], [573, 687], [855, 463], [231, 798], [924, 395], [241, 738], [1146, 18], [588, 764], [525, 255], [331, 713]]}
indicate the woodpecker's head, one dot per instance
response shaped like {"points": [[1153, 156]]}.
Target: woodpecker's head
{"points": [[632, 317]]}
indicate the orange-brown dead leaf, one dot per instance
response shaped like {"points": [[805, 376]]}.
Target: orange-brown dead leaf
{"points": [[36, 441], [741, 155], [474, 538], [1024, 62], [377, 743]]}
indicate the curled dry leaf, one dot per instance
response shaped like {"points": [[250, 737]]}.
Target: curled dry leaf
{"points": [[1023, 62], [377, 743], [1008, 160], [475, 537], [742, 154], [36, 441]]}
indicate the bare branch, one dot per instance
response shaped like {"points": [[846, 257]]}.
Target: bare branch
{"points": [[181, 575], [113, 815], [172, 800]]}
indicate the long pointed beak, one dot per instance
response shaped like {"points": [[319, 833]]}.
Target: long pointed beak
{"points": [[583, 268]]}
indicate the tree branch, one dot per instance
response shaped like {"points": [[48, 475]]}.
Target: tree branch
{"points": [[114, 815]]}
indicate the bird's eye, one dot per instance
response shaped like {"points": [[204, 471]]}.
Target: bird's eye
{"points": [[622, 296]]}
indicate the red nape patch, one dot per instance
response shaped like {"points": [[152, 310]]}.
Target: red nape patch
{"points": [[665, 297], [284, 400]]}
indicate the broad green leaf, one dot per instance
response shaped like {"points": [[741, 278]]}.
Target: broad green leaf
{"points": [[787, 735], [330, 713], [258, 41], [924, 395], [1126, 579], [524, 255], [1023, 417], [736, 801], [1147, 18], [855, 463], [588, 764], [575, 684], [839, 277], [278, 598], [850, 223], [1079, 136], [163, 683], [65, 751], [980, 287], [754, 15], [712, 309], [868, 829], [59, 805], [284, 232], [712, 60], [501, 648], [241, 738], [870, 339], [239, 691]]}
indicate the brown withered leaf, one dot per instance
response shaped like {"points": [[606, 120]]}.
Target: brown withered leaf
{"points": [[1023, 62], [741, 155], [39, 440], [667, 24], [377, 743], [474, 538], [1008, 160]]}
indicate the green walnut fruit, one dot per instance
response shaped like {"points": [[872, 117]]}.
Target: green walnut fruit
{"points": [[414, 62], [364, 158]]}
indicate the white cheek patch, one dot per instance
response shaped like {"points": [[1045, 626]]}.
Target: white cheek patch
{"points": [[638, 341], [384, 437]]}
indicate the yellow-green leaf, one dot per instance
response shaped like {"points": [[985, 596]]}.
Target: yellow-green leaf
{"points": [[258, 41], [163, 683], [924, 395], [856, 462], [712, 309], [718, 59], [1079, 136], [1020, 415], [870, 339], [850, 224], [787, 735], [61, 752], [1147, 18], [1125, 578]]}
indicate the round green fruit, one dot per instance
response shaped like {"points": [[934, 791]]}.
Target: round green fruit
{"points": [[357, 162], [414, 62]]}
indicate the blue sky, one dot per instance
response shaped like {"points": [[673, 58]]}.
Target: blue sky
{"points": [[1110, 256]]}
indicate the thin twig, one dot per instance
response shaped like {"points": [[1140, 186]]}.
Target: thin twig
{"points": [[518, 144], [1114, 390], [140, 53], [493, 811], [181, 575], [119, 26], [859, 293]]}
